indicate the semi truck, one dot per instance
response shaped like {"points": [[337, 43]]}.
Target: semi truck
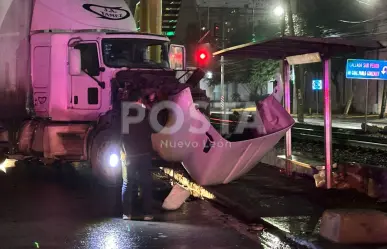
{"points": [[59, 63]]}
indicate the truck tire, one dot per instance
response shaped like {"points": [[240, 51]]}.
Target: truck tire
{"points": [[103, 146]]}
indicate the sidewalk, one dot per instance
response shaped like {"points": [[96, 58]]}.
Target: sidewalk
{"points": [[294, 206], [338, 121], [346, 123]]}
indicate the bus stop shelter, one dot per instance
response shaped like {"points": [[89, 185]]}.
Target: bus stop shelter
{"points": [[303, 50]]}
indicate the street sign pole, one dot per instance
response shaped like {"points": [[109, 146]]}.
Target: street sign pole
{"points": [[317, 85], [366, 108], [317, 102]]}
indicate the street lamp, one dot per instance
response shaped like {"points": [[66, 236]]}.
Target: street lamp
{"points": [[366, 2], [279, 11]]}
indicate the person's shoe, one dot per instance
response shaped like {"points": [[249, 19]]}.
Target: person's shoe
{"points": [[148, 217], [126, 217]]}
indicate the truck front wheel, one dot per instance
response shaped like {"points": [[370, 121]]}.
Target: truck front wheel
{"points": [[105, 159]]}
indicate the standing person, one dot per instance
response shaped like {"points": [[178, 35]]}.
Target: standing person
{"points": [[137, 148]]}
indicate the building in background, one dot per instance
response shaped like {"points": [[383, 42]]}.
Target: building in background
{"points": [[230, 17], [170, 16], [240, 21]]}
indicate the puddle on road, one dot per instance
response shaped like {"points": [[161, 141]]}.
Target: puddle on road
{"points": [[270, 241], [295, 232], [294, 224]]}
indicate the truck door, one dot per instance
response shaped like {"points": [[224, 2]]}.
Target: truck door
{"points": [[85, 91]]}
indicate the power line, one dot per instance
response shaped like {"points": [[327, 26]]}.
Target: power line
{"points": [[363, 33], [365, 21]]}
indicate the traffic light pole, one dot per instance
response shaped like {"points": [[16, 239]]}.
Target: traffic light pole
{"points": [[222, 86]]}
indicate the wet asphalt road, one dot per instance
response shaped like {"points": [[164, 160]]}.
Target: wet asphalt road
{"points": [[42, 210]]}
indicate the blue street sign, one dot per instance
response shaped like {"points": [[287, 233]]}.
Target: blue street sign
{"points": [[366, 69], [317, 85]]}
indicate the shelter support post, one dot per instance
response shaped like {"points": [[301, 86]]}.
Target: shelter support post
{"points": [[327, 122], [288, 136]]}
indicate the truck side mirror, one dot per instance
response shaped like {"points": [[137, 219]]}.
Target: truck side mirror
{"points": [[75, 62], [177, 57]]}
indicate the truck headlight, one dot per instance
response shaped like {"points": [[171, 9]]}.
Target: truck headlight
{"points": [[113, 160]]}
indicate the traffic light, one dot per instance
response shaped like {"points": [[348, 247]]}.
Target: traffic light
{"points": [[203, 55], [171, 9], [216, 30]]}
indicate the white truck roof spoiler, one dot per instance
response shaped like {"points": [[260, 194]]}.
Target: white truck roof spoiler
{"points": [[113, 15]]}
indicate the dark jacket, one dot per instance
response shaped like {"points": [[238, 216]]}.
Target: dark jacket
{"points": [[138, 141]]}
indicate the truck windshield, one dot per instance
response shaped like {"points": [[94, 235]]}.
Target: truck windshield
{"points": [[137, 53]]}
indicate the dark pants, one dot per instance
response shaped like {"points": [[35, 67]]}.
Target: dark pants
{"points": [[143, 166]]}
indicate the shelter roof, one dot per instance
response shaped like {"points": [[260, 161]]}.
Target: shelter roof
{"points": [[280, 48]]}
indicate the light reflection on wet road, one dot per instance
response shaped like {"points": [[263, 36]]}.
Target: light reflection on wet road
{"points": [[45, 214]]}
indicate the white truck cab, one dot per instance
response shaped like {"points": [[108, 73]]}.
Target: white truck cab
{"points": [[72, 72], [77, 47]]}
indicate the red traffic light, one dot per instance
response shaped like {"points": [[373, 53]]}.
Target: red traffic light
{"points": [[203, 55]]}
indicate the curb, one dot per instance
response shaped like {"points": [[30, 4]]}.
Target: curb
{"points": [[243, 214], [197, 190], [234, 209]]}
